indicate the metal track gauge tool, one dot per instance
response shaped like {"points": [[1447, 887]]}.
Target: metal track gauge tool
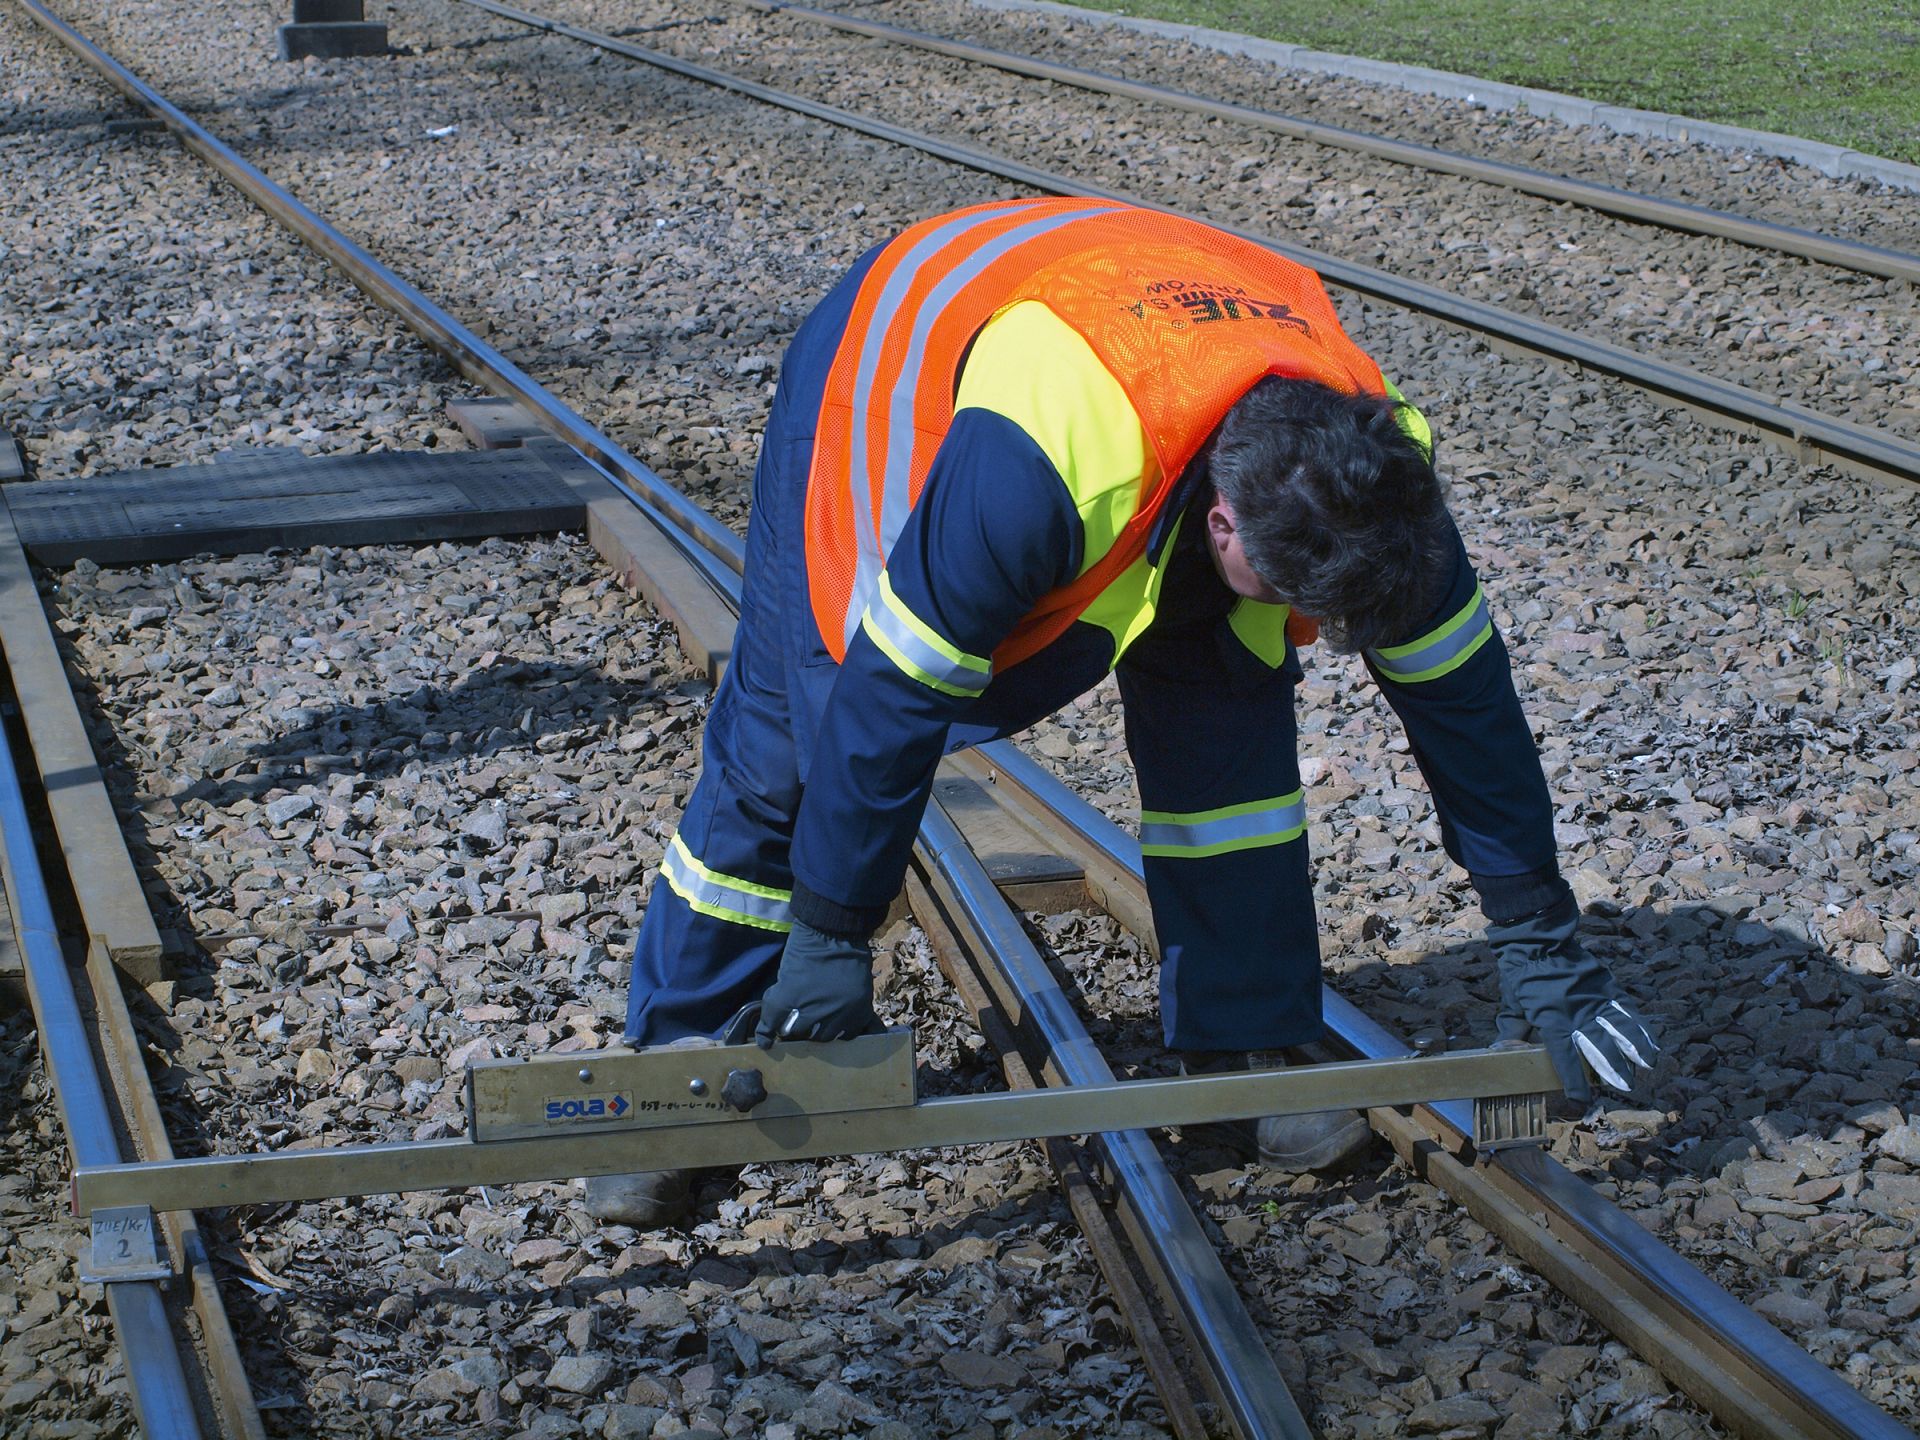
{"points": [[683, 1107]]}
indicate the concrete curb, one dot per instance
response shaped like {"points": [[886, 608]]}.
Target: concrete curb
{"points": [[1833, 160]]}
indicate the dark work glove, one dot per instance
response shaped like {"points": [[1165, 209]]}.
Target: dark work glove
{"points": [[824, 990], [1550, 988]]}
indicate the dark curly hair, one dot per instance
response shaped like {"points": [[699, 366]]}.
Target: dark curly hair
{"points": [[1337, 507]]}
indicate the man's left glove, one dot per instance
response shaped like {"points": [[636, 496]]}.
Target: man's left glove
{"points": [[1553, 989], [824, 990]]}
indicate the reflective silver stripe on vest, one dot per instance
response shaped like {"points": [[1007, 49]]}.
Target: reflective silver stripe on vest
{"points": [[1211, 833], [868, 557], [897, 462], [725, 897]]}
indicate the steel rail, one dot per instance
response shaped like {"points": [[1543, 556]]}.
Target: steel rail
{"points": [[156, 1379], [675, 506], [1239, 1369], [469, 354], [1799, 430], [1651, 209], [1095, 1206], [237, 1415], [1719, 1351]]}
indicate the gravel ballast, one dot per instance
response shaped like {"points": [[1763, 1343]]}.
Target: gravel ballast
{"points": [[406, 802], [1715, 642], [1735, 312]]}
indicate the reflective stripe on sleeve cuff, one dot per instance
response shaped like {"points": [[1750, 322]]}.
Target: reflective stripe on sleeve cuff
{"points": [[1249, 826], [1441, 651], [918, 649], [725, 897]]}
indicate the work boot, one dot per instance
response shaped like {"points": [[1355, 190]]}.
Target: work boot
{"points": [[661, 1197], [655, 1198], [1322, 1140], [645, 1201]]}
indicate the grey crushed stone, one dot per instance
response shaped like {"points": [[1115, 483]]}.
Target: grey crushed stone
{"points": [[562, 704], [1724, 709], [1736, 312]]}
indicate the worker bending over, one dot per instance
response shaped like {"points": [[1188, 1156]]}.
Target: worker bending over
{"points": [[1021, 446]]}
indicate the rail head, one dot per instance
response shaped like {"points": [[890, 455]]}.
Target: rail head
{"points": [[1725, 1356], [1796, 429], [1650, 209]]}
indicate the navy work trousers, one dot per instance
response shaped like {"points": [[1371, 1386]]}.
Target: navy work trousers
{"points": [[694, 968]]}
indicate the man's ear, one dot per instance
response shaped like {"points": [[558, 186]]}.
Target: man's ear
{"points": [[1220, 523]]}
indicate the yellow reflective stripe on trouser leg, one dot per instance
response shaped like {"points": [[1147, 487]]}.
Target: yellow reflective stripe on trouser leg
{"points": [[725, 897], [919, 650], [1442, 651], [1247, 826]]}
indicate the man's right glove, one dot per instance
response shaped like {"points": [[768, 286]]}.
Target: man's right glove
{"points": [[824, 990], [1551, 988]]}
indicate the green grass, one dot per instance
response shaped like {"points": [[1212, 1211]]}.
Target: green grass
{"points": [[1843, 71]]}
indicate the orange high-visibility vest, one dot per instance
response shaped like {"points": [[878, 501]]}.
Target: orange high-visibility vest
{"points": [[1186, 318]]}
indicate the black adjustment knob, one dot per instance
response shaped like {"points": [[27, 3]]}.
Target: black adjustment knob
{"points": [[744, 1089]]}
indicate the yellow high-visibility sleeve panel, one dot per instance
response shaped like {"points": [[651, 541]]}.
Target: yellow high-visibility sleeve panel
{"points": [[1031, 367]]}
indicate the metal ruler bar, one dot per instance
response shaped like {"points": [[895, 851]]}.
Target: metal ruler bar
{"points": [[290, 1175], [669, 1086]]}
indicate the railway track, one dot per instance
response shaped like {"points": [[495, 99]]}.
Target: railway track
{"points": [[1802, 431], [1527, 180], [1769, 1389]]}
